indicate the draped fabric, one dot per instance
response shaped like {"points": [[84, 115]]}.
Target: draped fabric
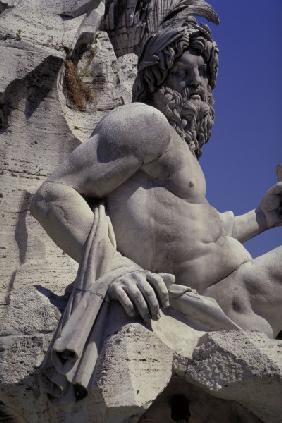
{"points": [[70, 361], [67, 371]]}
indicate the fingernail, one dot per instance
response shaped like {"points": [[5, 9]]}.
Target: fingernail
{"points": [[147, 321]]}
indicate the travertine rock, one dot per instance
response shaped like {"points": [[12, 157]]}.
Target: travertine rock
{"points": [[108, 79], [239, 367], [225, 374], [35, 136], [243, 367]]}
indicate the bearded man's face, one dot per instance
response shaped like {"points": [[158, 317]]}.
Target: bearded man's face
{"points": [[186, 100]]}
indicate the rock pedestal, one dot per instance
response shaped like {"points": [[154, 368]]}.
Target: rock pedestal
{"points": [[168, 373]]}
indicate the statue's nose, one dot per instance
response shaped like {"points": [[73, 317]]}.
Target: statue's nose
{"points": [[195, 79], [194, 85]]}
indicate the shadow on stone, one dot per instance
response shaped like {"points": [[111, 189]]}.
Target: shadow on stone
{"points": [[5, 415], [279, 336], [34, 88], [179, 405], [58, 301], [182, 402], [21, 234]]}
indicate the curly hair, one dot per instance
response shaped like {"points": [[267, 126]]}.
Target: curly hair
{"points": [[151, 77]]}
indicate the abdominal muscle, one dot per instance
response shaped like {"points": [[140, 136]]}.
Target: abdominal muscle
{"points": [[164, 233], [220, 259]]}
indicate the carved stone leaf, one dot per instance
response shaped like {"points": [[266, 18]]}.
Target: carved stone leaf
{"points": [[131, 22]]}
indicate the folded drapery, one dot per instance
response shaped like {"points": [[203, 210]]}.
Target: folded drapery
{"points": [[67, 369], [71, 359]]}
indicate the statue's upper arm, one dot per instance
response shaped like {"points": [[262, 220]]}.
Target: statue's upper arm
{"points": [[135, 129], [123, 141]]}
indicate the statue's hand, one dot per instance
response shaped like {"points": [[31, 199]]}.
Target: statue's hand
{"points": [[140, 291], [271, 206]]}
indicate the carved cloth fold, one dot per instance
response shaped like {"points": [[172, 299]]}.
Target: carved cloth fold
{"points": [[69, 364], [68, 368]]}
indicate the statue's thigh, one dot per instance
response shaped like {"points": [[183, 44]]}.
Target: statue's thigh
{"points": [[263, 278], [241, 294]]}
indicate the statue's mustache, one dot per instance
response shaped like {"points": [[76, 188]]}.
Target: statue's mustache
{"points": [[195, 93]]}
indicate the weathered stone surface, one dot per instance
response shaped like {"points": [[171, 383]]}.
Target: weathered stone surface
{"points": [[239, 367], [35, 137], [243, 367], [184, 402], [108, 79], [31, 146], [220, 374], [130, 359]]}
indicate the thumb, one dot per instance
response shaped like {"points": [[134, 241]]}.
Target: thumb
{"points": [[168, 279]]}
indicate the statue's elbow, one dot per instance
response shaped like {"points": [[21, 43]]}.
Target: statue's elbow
{"points": [[39, 203]]}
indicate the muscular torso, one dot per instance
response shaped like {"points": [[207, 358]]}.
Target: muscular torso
{"points": [[163, 221]]}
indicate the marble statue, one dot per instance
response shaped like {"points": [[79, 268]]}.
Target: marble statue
{"points": [[152, 239]]}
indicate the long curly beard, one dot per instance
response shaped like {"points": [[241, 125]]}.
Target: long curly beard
{"points": [[191, 118]]}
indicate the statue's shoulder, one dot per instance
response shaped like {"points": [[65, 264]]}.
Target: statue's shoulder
{"points": [[136, 128]]}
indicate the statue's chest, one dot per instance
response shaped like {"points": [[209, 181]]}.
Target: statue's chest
{"points": [[149, 209], [171, 182], [143, 213], [178, 171], [153, 225]]}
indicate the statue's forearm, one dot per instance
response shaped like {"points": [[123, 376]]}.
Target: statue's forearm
{"points": [[65, 216], [248, 225]]}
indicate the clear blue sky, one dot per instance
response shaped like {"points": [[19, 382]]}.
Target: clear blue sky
{"points": [[239, 161]]}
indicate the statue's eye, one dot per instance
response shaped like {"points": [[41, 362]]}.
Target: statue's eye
{"points": [[203, 70], [179, 73]]}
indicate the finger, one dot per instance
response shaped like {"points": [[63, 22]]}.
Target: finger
{"points": [[138, 300], [168, 279], [121, 296], [150, 297], [160, 288]]}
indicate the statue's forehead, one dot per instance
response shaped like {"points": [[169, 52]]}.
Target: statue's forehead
{"points": [[190, 57]]}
